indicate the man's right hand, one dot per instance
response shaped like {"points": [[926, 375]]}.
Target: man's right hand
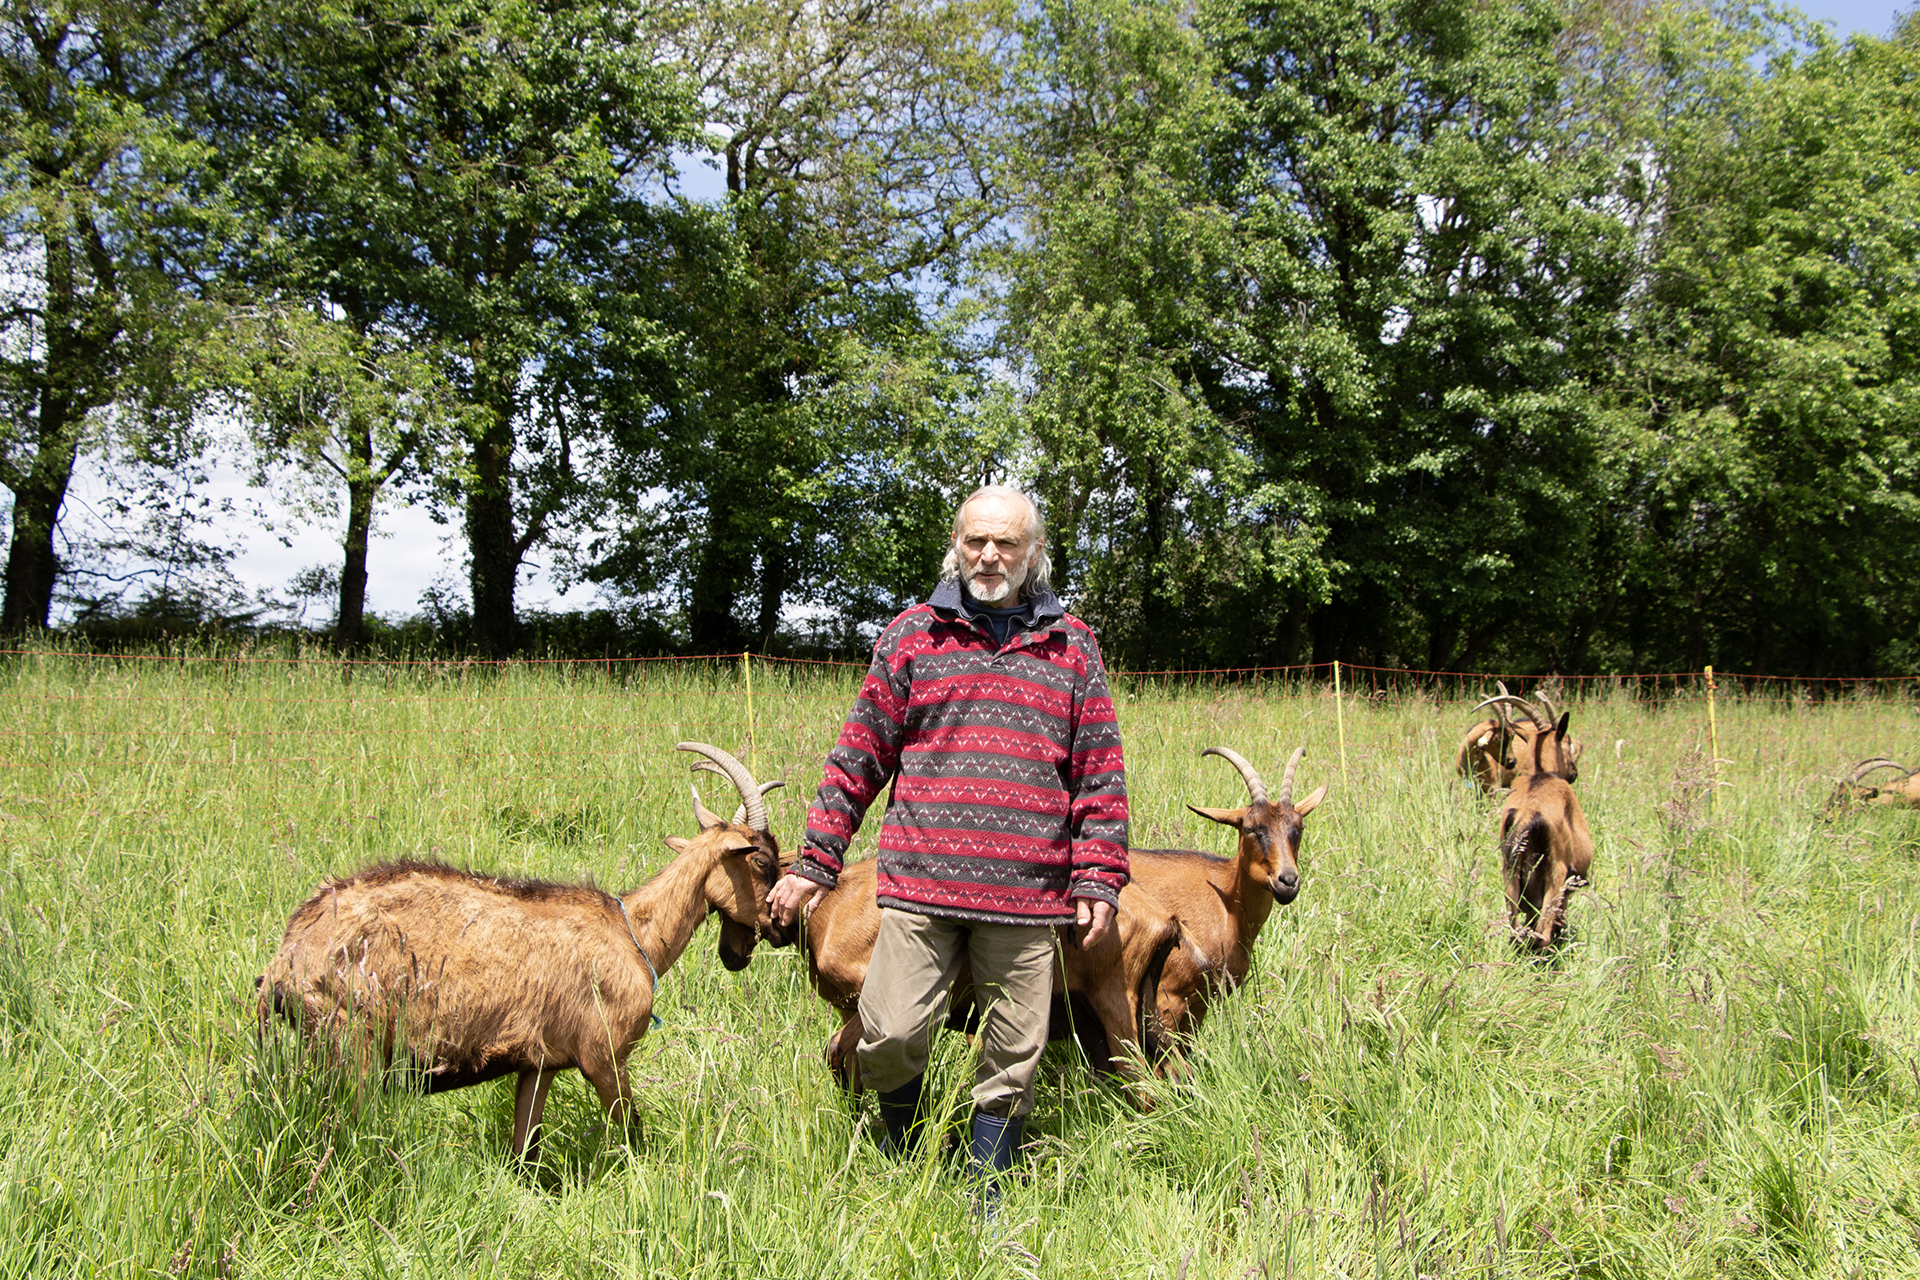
{"points": [[795, 895]]}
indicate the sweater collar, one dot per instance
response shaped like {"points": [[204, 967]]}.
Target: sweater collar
{"points": [[1038, 609]]}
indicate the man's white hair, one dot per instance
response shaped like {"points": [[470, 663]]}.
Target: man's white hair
{"points": [[1039, 567]]}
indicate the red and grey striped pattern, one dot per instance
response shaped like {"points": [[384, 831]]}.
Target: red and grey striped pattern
{"points": [[1009, 793]]}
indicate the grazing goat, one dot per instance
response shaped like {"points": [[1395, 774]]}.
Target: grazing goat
{"points": [[1485, 757], [1497, 750], [1545, 847], [1104, 995], [1902, 792], [472, 977], [1222, 903]]}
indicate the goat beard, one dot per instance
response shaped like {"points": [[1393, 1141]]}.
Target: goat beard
{"points": [[1014, 578]]}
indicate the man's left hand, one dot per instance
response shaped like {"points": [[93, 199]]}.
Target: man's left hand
{"points": [[1091, 918]]}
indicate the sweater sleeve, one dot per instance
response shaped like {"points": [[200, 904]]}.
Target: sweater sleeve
{"points": [[1097, 786], [861, 763]]}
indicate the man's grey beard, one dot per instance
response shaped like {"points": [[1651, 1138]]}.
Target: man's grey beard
{"points": [[1010, 584]]}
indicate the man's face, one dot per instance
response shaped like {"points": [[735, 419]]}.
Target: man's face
{"points": [[995, 551]]}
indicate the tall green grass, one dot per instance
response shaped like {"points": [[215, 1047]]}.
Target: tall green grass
{"points": [[1717, 1077]]}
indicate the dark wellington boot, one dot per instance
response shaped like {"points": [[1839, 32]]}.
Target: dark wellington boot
{"points": [[901, 1113], [989, 1156]]}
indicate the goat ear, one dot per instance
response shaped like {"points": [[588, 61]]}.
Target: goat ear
{"points": [[1560, 730], [1225, 817], [678, 845], [1312, 802]]}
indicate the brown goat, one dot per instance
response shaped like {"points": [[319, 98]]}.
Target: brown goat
{"points": [[1902, 792], [1222, 903], [1498, 750], [1545, 847], [1102, 997], [1485, 756], [469, 977]]}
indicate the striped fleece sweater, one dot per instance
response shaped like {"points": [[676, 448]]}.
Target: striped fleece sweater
{"points": [[1009, 795]]}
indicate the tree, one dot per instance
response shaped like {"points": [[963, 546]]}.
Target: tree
{"points": [[341, 409], [1163, 528], [1314, 288], [460, 179], [1434, 276], [856, 142], [99, 231], [1774, 379]]}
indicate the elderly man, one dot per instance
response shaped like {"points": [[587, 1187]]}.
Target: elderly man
{"points": [[987, 709]]}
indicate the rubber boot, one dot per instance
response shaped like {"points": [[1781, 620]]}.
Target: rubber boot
{"points": [[989, 1155], [901, 1113]]}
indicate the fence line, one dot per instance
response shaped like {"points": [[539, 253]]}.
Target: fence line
{"points": [[723, 663]]}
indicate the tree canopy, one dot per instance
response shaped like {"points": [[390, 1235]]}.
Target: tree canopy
{"points": [[1571, 335]]}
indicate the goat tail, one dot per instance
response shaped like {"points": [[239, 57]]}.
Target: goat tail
{"points": [[1516, 842]]}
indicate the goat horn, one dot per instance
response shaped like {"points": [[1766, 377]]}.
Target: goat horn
{"points": [[1553, 712], [1874, 765], [1248, 774], [756, 808], [1533, 712], [740, 814], [1500, 712], [1286, 779]]}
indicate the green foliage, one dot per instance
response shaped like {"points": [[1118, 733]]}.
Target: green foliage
{"points": [[1557, 335], [459, 181], [1164, 530], [802, 442], [1773, 389], [102, 224], [1310, 324]]}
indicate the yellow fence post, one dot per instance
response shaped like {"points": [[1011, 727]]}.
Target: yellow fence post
{"points": [[746, 664], [1713, 741], [1340, 719]]}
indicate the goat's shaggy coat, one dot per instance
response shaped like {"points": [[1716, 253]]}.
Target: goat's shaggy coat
{"points": [[465, 977], [1009, 795]]}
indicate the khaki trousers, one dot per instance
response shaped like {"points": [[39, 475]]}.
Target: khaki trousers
{"points": [[915, 960]]}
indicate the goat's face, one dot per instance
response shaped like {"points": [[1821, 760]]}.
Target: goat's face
{"points": [[737, 886], [1270, 840], [1486, 754]]}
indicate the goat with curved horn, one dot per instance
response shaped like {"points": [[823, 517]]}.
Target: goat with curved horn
{"points": [[1546, 848], [1497, 750], [1902, 792], [1222, 903], [754, 809], [739, 814], [466, 977]]}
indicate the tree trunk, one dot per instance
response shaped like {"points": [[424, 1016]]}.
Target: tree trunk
{"points": [[349, 628], [773, 591], [32, 566], [723, 566], [491, 544], [78, 335]]}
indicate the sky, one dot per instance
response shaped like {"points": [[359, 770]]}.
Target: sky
{"points": [[1855, 17], [411, 553]]}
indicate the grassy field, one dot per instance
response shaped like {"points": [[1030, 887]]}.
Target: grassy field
{"points": [[1718, 1077]]}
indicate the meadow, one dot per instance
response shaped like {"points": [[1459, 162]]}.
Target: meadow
{"points": [[1717, 1076]]}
